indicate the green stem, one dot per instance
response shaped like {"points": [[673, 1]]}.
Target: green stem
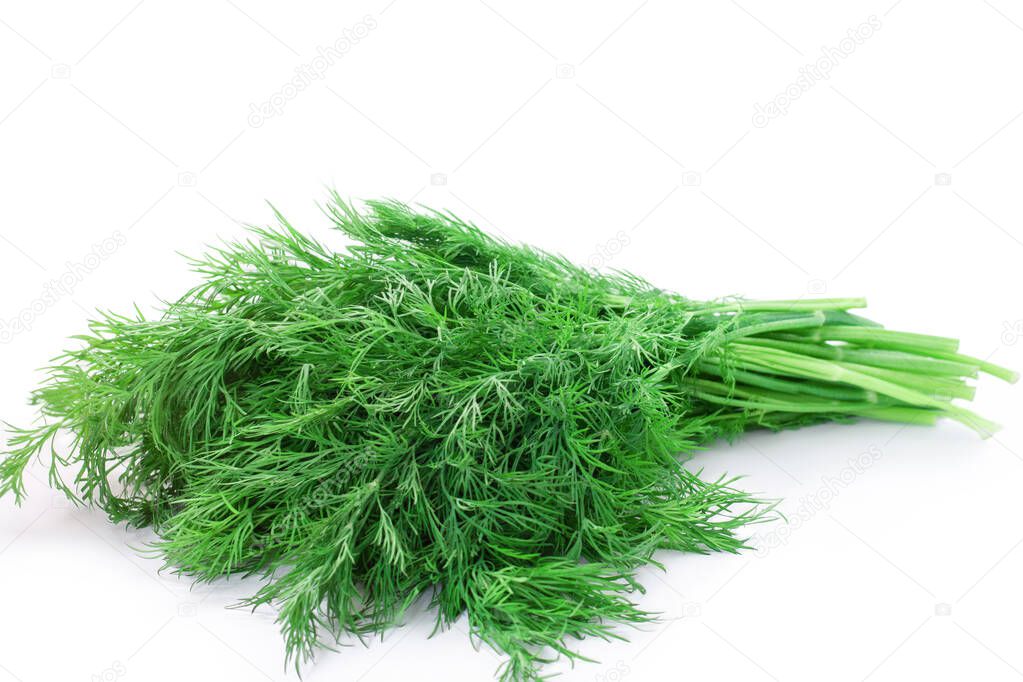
{"points": [[875, 357], [885, 338], [1003, 373], [810, 305], [816, 319], [788, 385], [815, 368]]}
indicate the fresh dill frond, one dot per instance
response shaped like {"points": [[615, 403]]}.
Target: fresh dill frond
{"points": [[436, 413]]}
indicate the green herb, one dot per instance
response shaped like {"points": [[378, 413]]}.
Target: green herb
{"points": [[437, 413]]}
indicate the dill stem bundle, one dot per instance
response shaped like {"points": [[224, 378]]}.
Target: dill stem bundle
{"points": [[437, 414]]}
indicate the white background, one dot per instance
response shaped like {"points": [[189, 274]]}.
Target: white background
{"points": [[621, 134]]}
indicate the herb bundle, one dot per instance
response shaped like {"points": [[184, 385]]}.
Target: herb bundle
{"points": [[436, 413]]}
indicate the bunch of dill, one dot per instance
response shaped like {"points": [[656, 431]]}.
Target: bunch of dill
{"points": [[437, 413]]}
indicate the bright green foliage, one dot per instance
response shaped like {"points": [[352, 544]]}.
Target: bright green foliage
{"points": [[436, 413]]}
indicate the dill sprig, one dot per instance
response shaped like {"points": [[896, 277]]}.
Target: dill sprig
{"points": [[438, 413]]}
